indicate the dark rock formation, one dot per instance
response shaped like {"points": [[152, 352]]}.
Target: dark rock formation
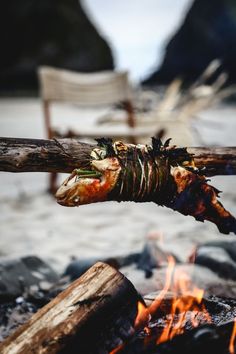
{"points": [[208, 32], [47, 32]]}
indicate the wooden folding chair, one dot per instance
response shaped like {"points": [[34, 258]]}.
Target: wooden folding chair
{"points": [[85, 90]]}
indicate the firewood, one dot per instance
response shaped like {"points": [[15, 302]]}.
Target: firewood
{"points": [[63, 155], [97, 310]]}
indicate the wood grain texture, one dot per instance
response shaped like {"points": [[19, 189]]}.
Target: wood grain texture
{"points": [[77, 319], [63, 155]]}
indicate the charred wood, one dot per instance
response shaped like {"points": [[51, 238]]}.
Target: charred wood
{"points": [[207, 338]]}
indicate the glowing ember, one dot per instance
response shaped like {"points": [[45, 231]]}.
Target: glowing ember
{"points": [[232, 339]]}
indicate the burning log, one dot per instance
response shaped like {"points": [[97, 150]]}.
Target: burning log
{"points": [[155, 173], [64, 155], [96, 311]]}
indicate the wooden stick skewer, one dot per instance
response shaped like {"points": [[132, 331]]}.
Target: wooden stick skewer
{"points": [[63, 155]]}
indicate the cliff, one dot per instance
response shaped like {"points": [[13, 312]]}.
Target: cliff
{"points": [[208, 32], [47, 32]]}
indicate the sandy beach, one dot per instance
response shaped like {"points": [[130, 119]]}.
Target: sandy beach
{"points": [[33, 223]]}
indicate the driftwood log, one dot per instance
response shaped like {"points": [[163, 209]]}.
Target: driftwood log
{"points": [[97, 310], [63, 155]]}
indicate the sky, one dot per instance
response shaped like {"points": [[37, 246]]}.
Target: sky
{"points": [[137, 30]]}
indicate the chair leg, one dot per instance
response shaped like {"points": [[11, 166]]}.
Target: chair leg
{"points": [[52, 183], [130, 119], [52, 176]]}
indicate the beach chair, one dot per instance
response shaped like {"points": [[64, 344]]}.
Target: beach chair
{"points": [[107, 88]]}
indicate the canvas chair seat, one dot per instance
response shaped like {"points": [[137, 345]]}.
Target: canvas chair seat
{"points": [[151, 124], [181, 132]]}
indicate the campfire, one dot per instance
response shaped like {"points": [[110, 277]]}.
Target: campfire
{"points": [[101, 312], [179, 309]]}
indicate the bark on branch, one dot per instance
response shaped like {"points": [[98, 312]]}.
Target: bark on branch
{"points": [[63, 155]]}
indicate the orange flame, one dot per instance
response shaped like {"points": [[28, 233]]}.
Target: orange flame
{"points": [[232, 339], [116, 350], [186, 305], [142, 316], [169, 273]]}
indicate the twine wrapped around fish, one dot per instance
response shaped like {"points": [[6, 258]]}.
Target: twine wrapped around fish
{"points": [[156, 173]]}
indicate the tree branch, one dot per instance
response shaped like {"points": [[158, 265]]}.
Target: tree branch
{"points": [[63, 155], [37, 155]]}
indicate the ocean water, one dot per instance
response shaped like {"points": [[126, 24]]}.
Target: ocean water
{"points": [[137, 30]]}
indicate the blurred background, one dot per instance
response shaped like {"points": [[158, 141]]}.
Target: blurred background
{"points": [[177, 66], [170, 38], [90, 35]]}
